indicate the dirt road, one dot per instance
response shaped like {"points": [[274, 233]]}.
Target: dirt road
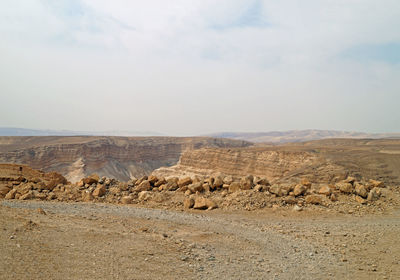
{"points": [[104, 241]]}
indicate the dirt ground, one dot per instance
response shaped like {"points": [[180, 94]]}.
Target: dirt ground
{"points": [[105, 241]]}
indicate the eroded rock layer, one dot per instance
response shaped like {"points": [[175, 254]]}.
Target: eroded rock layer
{"points": [[320, 161], [270, 163], [118, 157]]}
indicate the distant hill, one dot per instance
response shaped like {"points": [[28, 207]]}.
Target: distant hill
{"points": [[300, 135], [14, 131]]}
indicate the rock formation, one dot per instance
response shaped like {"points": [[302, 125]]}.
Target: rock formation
{"points": [[118, 157], [273, 164], [201, 193]]}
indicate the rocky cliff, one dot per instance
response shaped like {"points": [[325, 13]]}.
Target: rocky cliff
{"points": [[319, 161], [272, 163], [118, 157]]}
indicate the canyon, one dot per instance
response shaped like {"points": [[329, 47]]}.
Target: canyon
{"points": [[327, 160], [204, 208], [118, 157], [122, 158]]}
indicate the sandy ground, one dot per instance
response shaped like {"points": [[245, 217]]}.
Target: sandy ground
{"points": [[104, 241]]}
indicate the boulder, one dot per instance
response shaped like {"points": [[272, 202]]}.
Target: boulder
{"points": [[126, 200], [144, 195], [161, 181], [86, 196], [24, 188], [132, 181], [162, 188], [197, 179], [51, 196], [325, 190], [290, 200], [361, 190], [376, 184], [196, 187], [4, 189], [123, 186], [374, 194], [115, 190], [102, 180], [92, 179], [99, 191], [278, 190], [109, 181], [206, 187], [246, 183], [297, 208], [57, 178], [51, 185], [203, 203], [314, 199], [234, 187], [299, 190], [160, 197], [140, 180], [188, 203], [228, 180], [80, 184], [172, 186], [333, 197], [209, 181], [188, 192], [261, 181], [360, 199], [26, 196], [39, 195], [173, 179], [152, 179], [350, 180], [259, 188], [39, 186], [184, 182], [345, 187], [11, 194], [183, 189], [218, 182], [305, 182], [143, 186]]}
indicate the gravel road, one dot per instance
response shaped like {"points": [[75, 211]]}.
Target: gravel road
{"points": [[203, 245]]}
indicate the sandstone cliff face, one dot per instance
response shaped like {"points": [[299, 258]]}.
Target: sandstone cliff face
{"points": [[118, 157], [274, 164]]}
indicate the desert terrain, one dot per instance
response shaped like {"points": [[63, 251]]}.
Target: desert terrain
{"points": [[326, 209], [118, 157], [103, 241], [199, 140], [296, 136]]}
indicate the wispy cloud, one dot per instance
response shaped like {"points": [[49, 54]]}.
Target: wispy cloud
{"points": [[251, 16], [387, 53], [220, 65]]}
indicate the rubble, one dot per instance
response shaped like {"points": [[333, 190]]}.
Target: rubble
{"points": [[207, 192]]}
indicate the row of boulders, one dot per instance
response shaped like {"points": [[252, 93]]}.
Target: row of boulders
{"points": [[23, 188], [198, 191]]}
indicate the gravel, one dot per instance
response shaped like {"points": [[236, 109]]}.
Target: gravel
{"points": [[246, 247]]}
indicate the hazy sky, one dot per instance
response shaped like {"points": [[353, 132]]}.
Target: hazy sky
{"points": [[193, 67]]}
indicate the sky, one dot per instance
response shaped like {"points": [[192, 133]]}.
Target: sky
{"points": [[182, 67]]}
